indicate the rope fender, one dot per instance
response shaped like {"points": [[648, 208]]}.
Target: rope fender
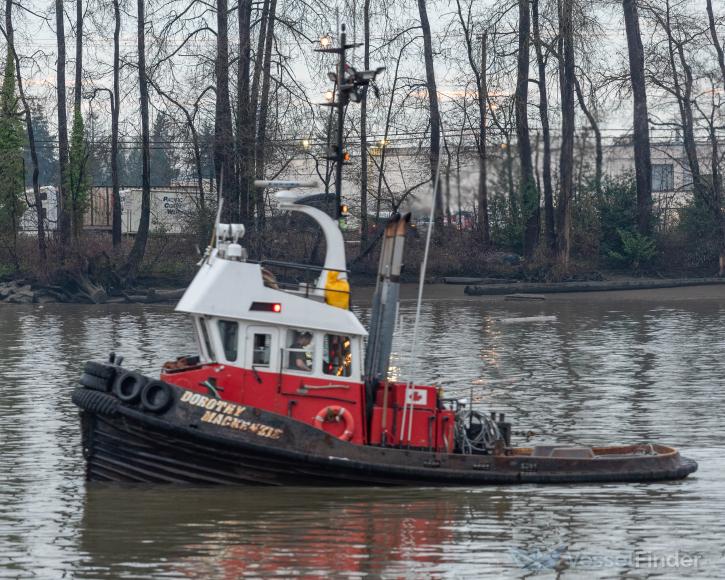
{"points": [[95, 402]]}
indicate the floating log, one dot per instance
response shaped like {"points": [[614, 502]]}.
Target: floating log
{"points": [[154, 296], [557, 287], [463, 280], [525, 297]]}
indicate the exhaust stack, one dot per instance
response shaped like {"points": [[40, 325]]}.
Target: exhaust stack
{"points": [[385, 300]]}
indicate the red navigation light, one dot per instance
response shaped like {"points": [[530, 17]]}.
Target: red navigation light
{"points": [[275, 307]]}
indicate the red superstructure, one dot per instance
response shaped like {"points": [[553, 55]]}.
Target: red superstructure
{"points": [[306, 398]]}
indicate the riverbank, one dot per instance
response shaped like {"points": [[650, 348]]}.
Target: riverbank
{"points": [[435, 292], [25, 292]]}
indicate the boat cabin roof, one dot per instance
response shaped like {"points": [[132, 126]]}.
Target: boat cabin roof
{"points": [[235, 289]]}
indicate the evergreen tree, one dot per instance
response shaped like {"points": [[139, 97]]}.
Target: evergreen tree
{"points": [[11, 162], [130, 166], [78, 182], [163, 157]]}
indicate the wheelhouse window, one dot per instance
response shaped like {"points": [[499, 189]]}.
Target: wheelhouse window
{"points": [[300, 349], [207, 341], [337, 355], [262, 350], [229, 331]]}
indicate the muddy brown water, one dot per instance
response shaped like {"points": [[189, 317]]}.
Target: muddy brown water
{"points": [[594, 369]]}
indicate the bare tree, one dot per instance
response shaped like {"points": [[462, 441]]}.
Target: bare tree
{"points": [[223, 137], [115, 112], [261, 139], [135, 257], [549, 229], [599, 152], [479, 68], [529, 191], [245, 115], [483, 218], [364, 132], [566, 159], [63, 201], [435, 118], [37, 199], [77, 178], [716, 41], [681, 35], [642, 160]]}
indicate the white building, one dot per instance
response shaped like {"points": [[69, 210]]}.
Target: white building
{"points": [[49, 198]]}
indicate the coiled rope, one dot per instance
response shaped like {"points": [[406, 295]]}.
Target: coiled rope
{"points": [[486, 437]]}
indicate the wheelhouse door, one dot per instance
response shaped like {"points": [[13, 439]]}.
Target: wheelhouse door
{"points": [[262, 349]]}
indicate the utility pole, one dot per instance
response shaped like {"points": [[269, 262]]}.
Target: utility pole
{"points": [[342, 100], [351, 86]]}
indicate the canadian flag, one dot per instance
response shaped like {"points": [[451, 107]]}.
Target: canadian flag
{"points": [[416, 397]]}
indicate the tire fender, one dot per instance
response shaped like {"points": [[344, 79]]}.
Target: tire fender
{"points": [[128, 386], [156, 396]]}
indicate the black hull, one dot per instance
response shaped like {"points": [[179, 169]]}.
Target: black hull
{"points": [[123, 443]]}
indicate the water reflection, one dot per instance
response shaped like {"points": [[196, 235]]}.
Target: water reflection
{"points": [[589, 372]]}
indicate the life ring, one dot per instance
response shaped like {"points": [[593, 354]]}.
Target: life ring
{"points": [[335, 413]]}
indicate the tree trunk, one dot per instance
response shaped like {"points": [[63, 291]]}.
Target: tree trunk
{"points": [[245, 118], [42, 249], [513, 203], [261, 140], [642, 161], [566, 160], [549, 229], [254, 102], [115, 107], [713, 139], [386, 132], [63, 201], [435, 120], [716, 41], [77, 90], [483, 219], [529, 192], [76, 167], [481, 77], [599, 155], [683, 94], [364, 132], [715, 160], [223, 138], [139, 244]]}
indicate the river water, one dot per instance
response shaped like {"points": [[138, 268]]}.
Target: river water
{"points": [[594, 369]]}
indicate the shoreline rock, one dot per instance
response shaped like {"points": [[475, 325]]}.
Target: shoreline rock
{"points": [[22, 292]]}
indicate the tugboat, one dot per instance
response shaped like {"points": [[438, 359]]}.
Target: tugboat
{"points": [[282, 392], [289, 388]]}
